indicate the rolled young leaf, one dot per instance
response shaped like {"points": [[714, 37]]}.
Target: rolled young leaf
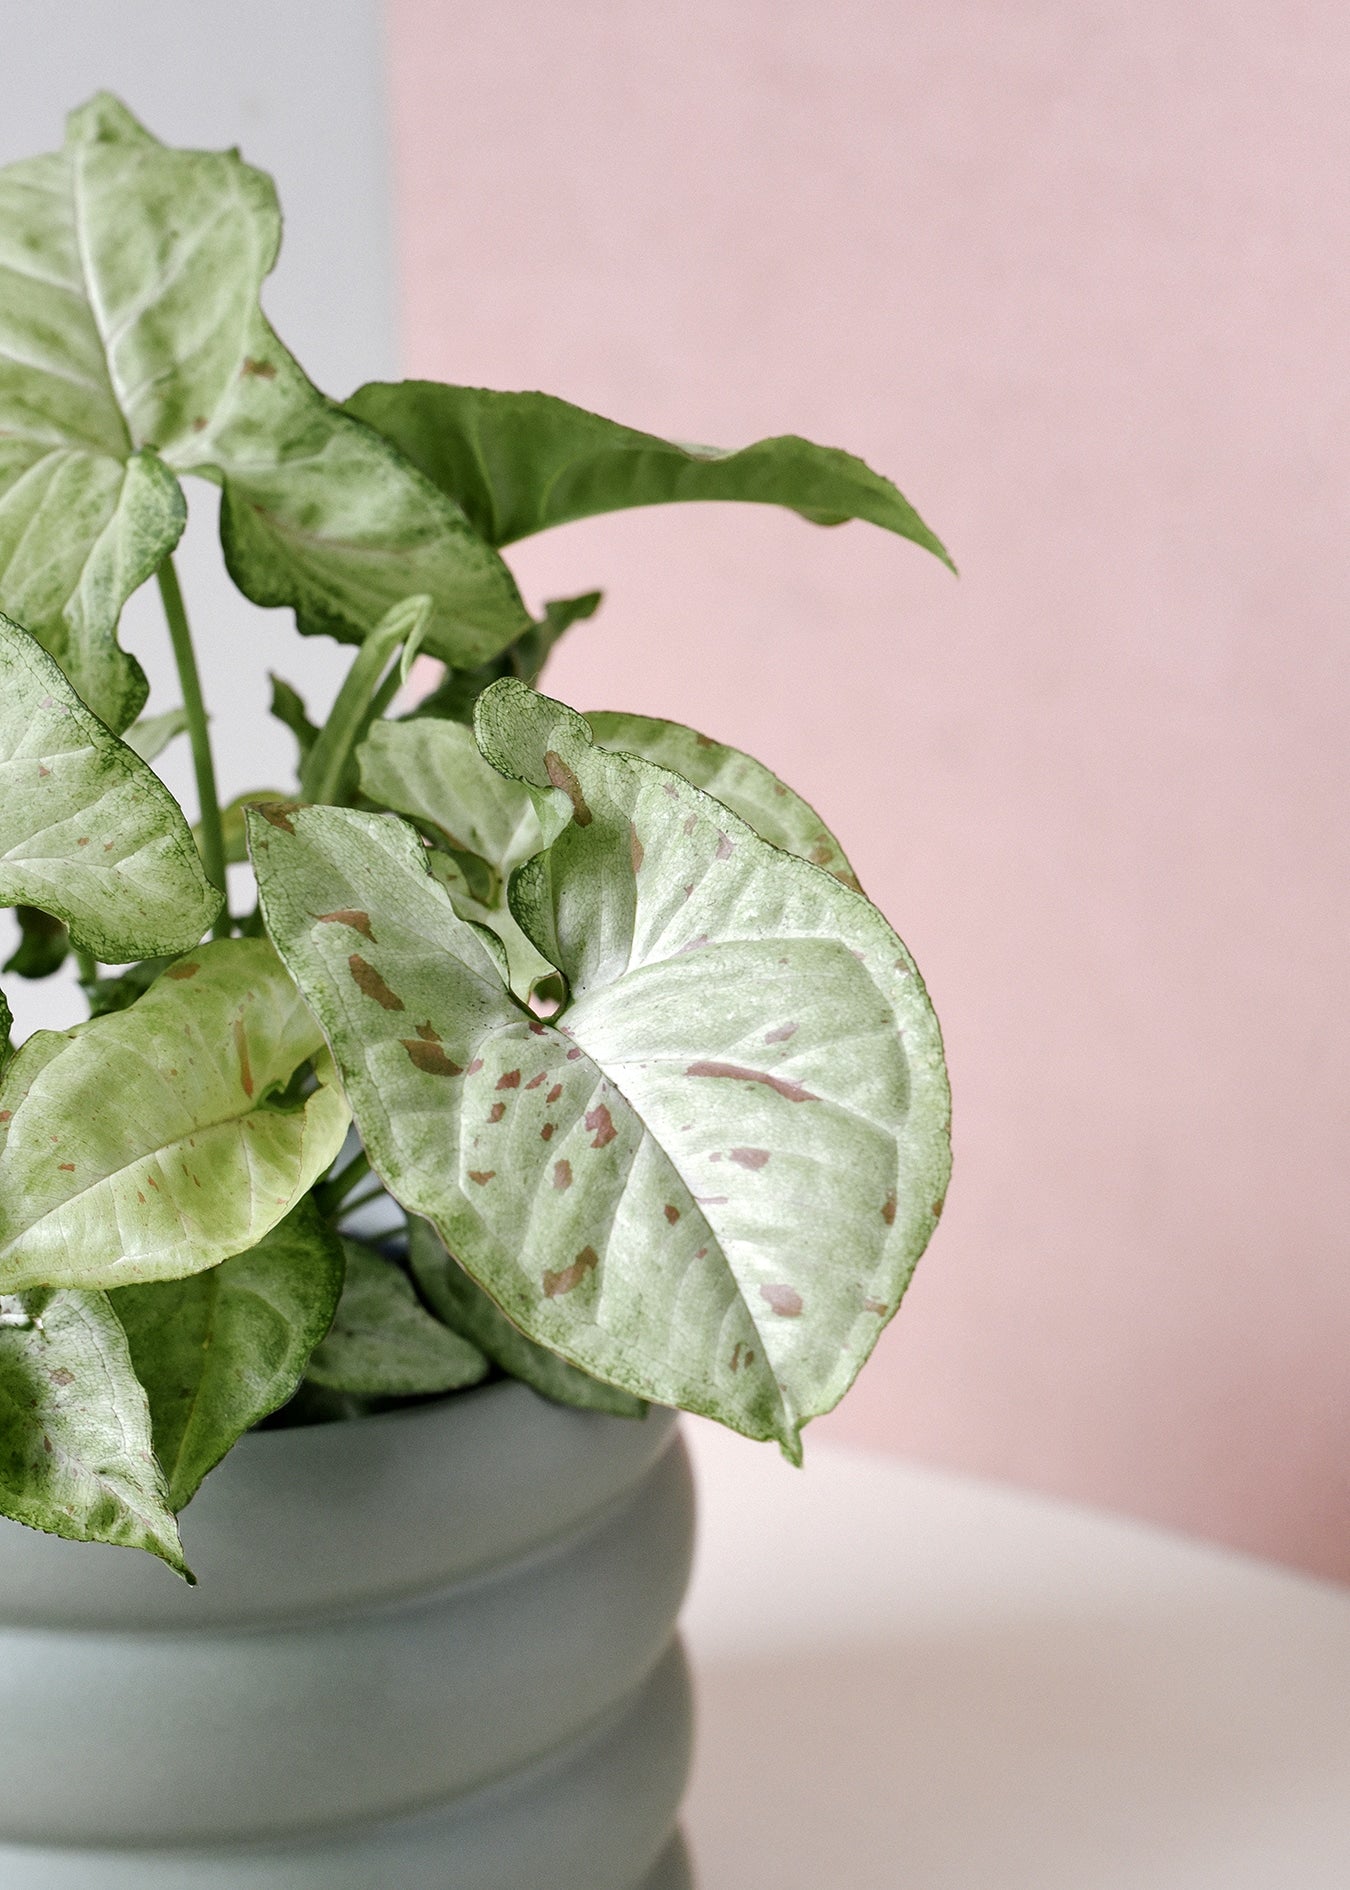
{"points": [[132, 342], [384, 1343], [155, 1142], [519, 463], [736, 779], [75, 1444], [709, 1179], [89, 832], [219, 1351]]}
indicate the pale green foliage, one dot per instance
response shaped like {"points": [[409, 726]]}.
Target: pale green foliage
{"points": [[219, 1351], [149, 737], [75, 1455], [88, 832], [384, 1343], [160, 1140], [519, 463], [709, 1180]]}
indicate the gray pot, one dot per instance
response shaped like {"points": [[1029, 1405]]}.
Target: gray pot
{"points": [[430, 1651]]}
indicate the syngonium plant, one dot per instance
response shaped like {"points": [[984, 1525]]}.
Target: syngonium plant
{"points": [[596, 1001]]}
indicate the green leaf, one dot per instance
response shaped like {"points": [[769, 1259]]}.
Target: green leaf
{"points": [[708, 1180], [44, 944], [75, 1448], [736, 779], [133, 347], [232, 833], [465, 1307], [289, 709], [519, 463], [384, 1343], [221, 1350], [88, 832], [6, 1027], [119, 993], [149, 737], [433, 772], [158, 1141], [456, 694]]}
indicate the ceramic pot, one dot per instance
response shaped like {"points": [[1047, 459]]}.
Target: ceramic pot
{"points": [[432, 1650]]}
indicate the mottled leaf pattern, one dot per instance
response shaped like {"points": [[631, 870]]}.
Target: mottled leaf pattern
{"points": [[75, 1446], [206, 1148], [519, 463], [88, 832], [707, 1181], [221, 1350], [384, 1343]]}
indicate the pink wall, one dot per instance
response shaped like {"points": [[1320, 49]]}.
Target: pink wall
{"points": [[1074, 271]]}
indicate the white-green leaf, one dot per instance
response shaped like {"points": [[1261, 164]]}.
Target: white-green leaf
{"points": [[88, 832], [149, 737], [219, 1351], [432, 771], [131, 343], [465, 1307], [384, 1343], [75, 1444], [158, 1141], [736, 779], [519, 463], [708, 1180]]}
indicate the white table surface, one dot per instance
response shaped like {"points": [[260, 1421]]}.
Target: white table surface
{"points": [[909, 1680]]}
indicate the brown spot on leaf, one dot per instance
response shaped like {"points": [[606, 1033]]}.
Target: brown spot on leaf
{"points": [[876, 1306], [888, 1209], [574, 1053], [497, 1111], [668, 787], [535, 1081], [555, 1284], [636, 851], [690, 822], [554, 1093], [537, 1029], [186, 968], [546, 1133], [46, 1443], [562, 777], [705, 741], [702, 1254], [430, 1058], [199, 424], [781, 1035], [510, 1080], [358, 921], [750, 1157], [5, 1114], [482, 1175], [367, 979], [562, 1175], [474, 1067], [140, 1197], [428, 1032], [738, 1072], [672, 1212], [602, 1123], [83, 840], [278, 814], [67, 1168], [938, 1207], [786, 1301], [725, 849], [695, 944], [62, 1376], [43, 771], [241, 1051], [736, 1356], [821, 853], [259, 370], [150, 1182]]}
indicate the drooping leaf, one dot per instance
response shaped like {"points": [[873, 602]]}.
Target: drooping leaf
{"points": [[384, 1343], [88, 832], [155, 1142], [736, 779], [454, 696], [133, 347], [519, 463], [149, 737], [465, 1307], [75, 1447], [43, 947], [221, 1350], [709, 1178]]}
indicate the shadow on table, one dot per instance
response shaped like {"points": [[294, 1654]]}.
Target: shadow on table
{"points": [[1167, 1753]]}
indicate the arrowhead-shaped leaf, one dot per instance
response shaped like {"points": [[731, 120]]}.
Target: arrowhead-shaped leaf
{"points": [[736, 779], [130, 320], [519, 463], [88, 832], [155, 1142], [384, 1343], [75, 1447], [464, 1306], [709, 1179], [221, 1350]]}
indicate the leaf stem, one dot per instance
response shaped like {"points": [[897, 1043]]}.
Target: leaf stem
{"points": [[330, 1194], [180, 635], [360, 698]]}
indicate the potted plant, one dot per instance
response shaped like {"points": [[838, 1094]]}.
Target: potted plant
{"points": [[594, 1005]]}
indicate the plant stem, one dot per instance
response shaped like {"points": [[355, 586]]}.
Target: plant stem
{"points": [[87, 966], [330, 1194], [365, 693], [213, 840]]}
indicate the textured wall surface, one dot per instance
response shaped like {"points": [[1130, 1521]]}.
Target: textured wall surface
{"points": [[1075, 274]]}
